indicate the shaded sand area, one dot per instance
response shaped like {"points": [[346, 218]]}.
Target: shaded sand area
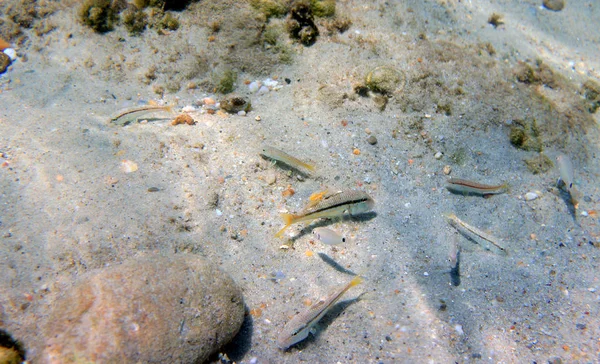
{"points": [[486, 103]]}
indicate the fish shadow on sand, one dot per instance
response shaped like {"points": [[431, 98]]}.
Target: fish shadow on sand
{"points": [[286, 168], [240, 345], [566, 197], [335, 265], [366, 216], [327, 320], [139, 120]]}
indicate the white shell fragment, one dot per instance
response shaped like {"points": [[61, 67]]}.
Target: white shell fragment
{"points": [[128, 166], [328, 236], [11, 53], [529, 196]]}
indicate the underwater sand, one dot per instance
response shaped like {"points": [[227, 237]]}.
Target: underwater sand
{"points": [[67, 205]]}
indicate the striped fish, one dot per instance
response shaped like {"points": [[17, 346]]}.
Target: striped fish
{"points": [[352, 202]]}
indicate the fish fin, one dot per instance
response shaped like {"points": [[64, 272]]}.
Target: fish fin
{"points": [[356, 280], [169, 108], [288, 219], [318, 196]]}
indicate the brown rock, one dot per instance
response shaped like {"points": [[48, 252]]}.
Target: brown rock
{"points": [[555, 5], [4, 62], [153, 309]]}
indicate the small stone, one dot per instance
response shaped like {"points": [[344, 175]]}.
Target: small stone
{"points": [[149, 309], [438, 155], [258, 118], [4, 62], [447, 169], [271, 178], [208, 101], [254, 86], [233, 104], [530, 196], [183, 119], [372, 140], [554, 5], [241, 113]]}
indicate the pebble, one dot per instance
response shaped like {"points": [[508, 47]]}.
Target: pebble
{"points": [[11, 53], [148, 309], [530, 196], [4, 62], [254, 86], [271, 178], [447, 169], [438, 155], [263, 90], [241, 113], [554, 5], [188, 108], [372, 140]]}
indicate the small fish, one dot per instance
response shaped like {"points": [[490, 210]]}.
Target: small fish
{"points": [[565, 166], [463, 186], [459, 224], [298, 328], [328, 236], [352, 202], [126, 116], [281, 156]]}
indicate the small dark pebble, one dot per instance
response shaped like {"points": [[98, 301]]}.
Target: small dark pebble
{"points": [[153, 189], [587, 199], [388, 338], [555, 360], [476, 356], [288, 81], [580, 326], [372, 140]]}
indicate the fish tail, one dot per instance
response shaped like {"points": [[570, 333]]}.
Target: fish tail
{"points": [[356, 281], [310, 167], [288, 219]]}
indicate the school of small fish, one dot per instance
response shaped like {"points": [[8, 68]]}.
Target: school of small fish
{"points": [[329, 204]]}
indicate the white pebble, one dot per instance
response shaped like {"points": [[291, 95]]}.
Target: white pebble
{"points": [[438, 155], [584, 213], [188, 108], [241, 113], [254, 86], [530, 196], [270, 83], [425, 274], [11, 53], [218, 212], [263, 90], [459, 329]]}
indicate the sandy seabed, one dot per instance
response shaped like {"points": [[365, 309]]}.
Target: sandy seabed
{"points": [[68, 206]]}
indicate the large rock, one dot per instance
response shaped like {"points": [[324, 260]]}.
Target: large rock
{"points": [[155, 309]]}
